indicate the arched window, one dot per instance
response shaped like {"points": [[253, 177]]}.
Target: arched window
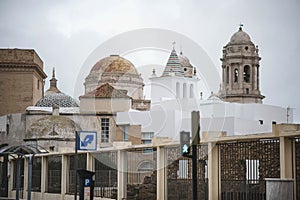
{"points": [[236, 75], [177, 90], [184, 90], [246, 74], [227, 74], [146, 166], [191, 91]]}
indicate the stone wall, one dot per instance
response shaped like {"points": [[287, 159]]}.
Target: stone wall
{"points": [[24, 56], [234, 157], [21, 80], [145, 191]]}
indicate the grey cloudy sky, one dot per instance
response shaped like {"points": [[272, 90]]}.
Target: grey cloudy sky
{"points": [[64, 33]]}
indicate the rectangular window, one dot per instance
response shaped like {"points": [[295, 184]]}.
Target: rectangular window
{"points": [[21, 177], [252, 171], [104, 129], [125, 132], [147, 137], [54, 174], [183, 170], [36, 174]]}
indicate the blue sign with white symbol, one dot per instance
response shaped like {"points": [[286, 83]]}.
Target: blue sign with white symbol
{"points": [[87, 182], [87, 140]]}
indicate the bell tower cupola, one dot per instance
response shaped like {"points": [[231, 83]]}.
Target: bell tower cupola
{"points": [[240, 70]]}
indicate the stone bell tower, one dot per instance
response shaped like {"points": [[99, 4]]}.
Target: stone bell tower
{"points": [[240, 70]]}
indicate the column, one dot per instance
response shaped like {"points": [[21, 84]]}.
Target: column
{"points": [[25, 185], [43, 175], [231, 71], [64, 171], [161, 177], [122, 171], [10, 177], [241, 77], [286, 158], [254, 78], [213, 171]]}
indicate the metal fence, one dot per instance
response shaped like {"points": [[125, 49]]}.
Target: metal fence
{"points": [[141, 173], [244, 167], [179, 174], [82, 159], [106, 174]]}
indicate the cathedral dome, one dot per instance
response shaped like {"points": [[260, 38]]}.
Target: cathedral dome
{"points": [[114, 64], [240, 37], [119, 73]]}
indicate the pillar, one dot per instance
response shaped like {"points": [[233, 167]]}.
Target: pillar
{"points": [[161, 177], [213, 171], [122, 171], [89, 162], [43, 175], [286, 156], [10, 175], [64, 171], [25, 185]]}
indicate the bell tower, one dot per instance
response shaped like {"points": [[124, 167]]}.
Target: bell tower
{"points": [[240, 70]]}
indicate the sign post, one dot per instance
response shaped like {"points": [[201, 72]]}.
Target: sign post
{"points": [[84, 140], [196, 139]]}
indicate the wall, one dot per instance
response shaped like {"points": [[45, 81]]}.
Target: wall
{"points": [[20, 71], [108, 105]]}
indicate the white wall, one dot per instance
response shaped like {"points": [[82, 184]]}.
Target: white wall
{"points": [[163, 88], [170, 117]]}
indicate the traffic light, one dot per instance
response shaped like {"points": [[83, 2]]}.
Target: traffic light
{"points": [[185, 143]]}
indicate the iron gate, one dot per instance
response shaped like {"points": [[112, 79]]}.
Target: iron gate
{"points": [[244, 167], [106, 174]]}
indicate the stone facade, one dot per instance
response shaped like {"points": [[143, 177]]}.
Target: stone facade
{"points": [[21, 80]]}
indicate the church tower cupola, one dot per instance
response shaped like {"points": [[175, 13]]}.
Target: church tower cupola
{"points": [[240, 70]]}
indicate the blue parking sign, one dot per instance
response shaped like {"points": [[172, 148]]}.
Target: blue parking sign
{"points": [[87, 140], [87, 182]]}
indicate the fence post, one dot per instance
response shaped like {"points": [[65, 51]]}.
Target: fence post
{"points": [[25, 184], [122, 170], [286, 169], [213, 171], [64, 164], [43, 175], [161, 178]]}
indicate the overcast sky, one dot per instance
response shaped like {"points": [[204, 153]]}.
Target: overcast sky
{"points": [[65, 33]]}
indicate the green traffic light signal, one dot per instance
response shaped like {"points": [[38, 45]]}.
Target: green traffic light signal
{"points": [[185, 143]]}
